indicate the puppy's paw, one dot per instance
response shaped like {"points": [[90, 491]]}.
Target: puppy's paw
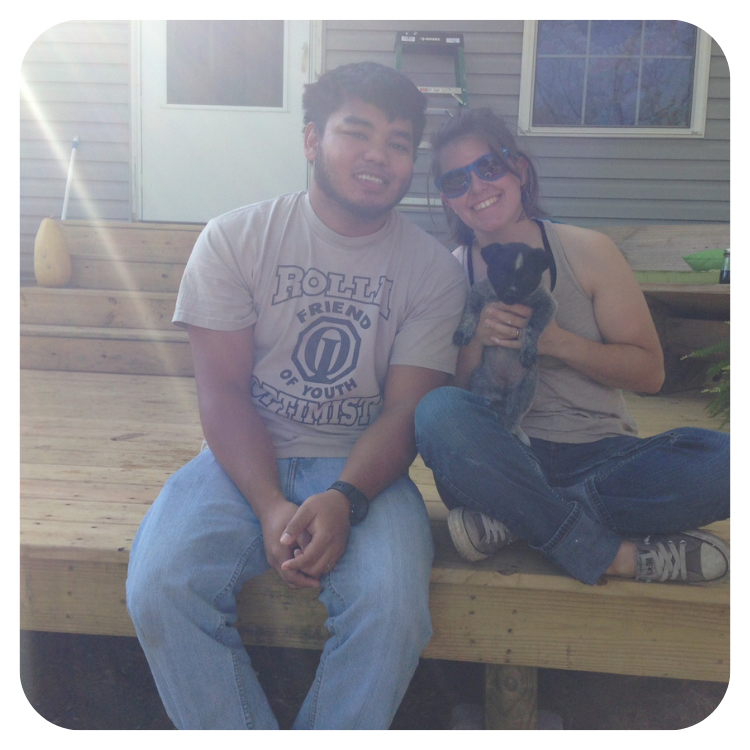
{"points": [[466, 329], [462, 337]]}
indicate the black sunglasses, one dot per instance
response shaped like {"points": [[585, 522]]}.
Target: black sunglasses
{"points": [[489, 167]]}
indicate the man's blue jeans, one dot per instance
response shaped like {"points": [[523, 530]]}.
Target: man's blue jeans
{"points": [[201, 541], [573, 502]]}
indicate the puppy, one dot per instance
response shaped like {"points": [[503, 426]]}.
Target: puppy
{"points": [[508, 377]]}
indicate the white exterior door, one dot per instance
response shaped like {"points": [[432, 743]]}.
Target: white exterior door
{"points": [[220, 119]]}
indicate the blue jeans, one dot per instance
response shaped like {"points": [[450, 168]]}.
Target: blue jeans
{"points": [[201, 541], [573, 502]]}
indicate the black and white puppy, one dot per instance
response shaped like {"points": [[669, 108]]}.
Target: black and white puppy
{"points": [[508, 377]]}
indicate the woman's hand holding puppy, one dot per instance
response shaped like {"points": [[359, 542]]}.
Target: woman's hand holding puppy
{"points": [[498, 325], [502, 325]]}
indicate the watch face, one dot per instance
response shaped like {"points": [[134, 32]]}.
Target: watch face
{"points": [[358, 504], [358, 509]]}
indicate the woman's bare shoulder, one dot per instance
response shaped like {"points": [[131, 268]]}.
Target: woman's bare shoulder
{"points": [[594, 258], [583, 237]]}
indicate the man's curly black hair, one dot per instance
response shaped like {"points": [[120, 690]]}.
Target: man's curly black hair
{"points": [[369, 82]]}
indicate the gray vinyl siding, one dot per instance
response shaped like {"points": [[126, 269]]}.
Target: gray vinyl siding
{"points": [[78, 75], [589, 181], [76, 79]]}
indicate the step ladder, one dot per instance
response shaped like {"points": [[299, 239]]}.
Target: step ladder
{"points": [[436, 43]]}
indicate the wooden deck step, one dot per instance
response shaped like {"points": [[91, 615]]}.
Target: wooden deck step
{"points": [[663, 247], [96, 273], [114, 350], [97, 308], [691, 301], [125, 240], [125, 255], [97, 448]]}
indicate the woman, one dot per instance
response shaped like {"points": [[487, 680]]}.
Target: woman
{"points": [[587, 492]]}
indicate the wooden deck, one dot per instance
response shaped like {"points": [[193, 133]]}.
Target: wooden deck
{"points": [[108, 413], [97, 447]]}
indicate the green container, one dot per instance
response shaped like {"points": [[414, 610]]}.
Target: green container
{"points": [[706, 260]]}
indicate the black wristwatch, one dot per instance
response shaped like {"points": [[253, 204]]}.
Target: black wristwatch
{"points": [[358, 503]]}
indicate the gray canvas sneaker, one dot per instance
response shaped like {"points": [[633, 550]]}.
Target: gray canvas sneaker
{"points": [[688, 557], [475, 535]]}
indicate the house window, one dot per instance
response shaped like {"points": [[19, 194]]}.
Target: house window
{"points": [[225, 63], [642, 78], [614, 73]]}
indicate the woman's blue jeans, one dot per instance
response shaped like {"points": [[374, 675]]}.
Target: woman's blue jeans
{"points": [[200, 542], [573, 502]]}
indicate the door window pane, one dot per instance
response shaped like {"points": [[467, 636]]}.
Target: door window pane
{"points": [[225, 63]]}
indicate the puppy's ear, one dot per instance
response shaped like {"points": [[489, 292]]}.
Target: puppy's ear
{"points": [[491, 251], [540, 259]]}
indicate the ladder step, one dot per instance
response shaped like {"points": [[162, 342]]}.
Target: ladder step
{"points": [[454, 91], [423, 41]]}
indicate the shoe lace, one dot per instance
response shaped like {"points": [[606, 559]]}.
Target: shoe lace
{"points": [[668, 560], [494, 531]]}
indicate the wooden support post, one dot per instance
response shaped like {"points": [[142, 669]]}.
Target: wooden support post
{"points": [[510, 697]]}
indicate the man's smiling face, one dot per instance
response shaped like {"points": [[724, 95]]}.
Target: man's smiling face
{"points": [[363, 167]]}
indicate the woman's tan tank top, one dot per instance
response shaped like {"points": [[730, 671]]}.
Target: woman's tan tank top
{"points": [[570, 407]]}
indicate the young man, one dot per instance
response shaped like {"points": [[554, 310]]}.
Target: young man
{"points": [[317, 322]]}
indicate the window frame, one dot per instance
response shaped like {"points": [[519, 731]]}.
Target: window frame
{"points": [[697, 115]]}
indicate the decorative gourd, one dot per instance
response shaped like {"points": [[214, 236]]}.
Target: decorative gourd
{"points": [[52, 265]]}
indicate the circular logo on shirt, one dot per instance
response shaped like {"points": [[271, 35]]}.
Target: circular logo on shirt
{"points": [[327, 350]]}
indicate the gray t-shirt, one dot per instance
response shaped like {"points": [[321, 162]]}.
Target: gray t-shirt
{"points": [[331, 313]]}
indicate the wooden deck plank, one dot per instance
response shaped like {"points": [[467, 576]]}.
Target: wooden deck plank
{"points": [[88, 510], [66, 490], [130, 240], [576, 631], [83, 452], [97, 308], [663, 247], [71, 540], [145, 400], [171, 335], [42, 351], [121, 430], [78, 596], [97, 474], [688, 302], [144, 276]]}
